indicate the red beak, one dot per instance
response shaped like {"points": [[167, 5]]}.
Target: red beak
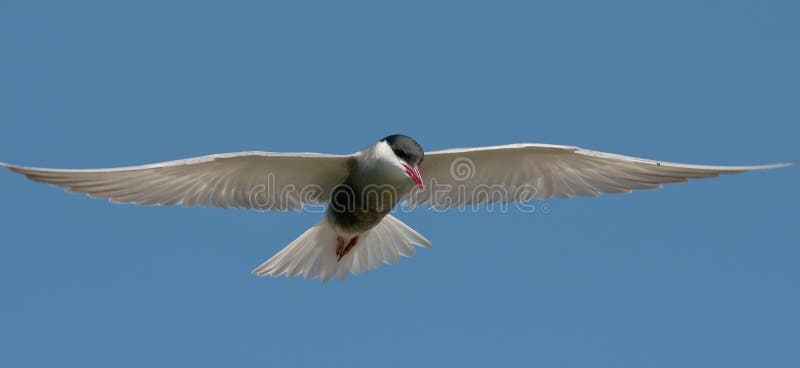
{"points": [[415, 175]]}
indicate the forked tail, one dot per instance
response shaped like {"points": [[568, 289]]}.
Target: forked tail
{"points": [[313, 254]]}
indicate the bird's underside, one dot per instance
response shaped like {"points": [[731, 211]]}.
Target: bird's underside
{"points": [[293, 181], [343, 248], [321, 252]]}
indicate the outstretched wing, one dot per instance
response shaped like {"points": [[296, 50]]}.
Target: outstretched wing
{"points": [[255, 180], [521, 172]]}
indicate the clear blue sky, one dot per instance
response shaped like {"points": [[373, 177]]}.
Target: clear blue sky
{"points": [[703, 274]]}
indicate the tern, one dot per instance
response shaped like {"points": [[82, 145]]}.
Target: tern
{"points": [[360, 190]]}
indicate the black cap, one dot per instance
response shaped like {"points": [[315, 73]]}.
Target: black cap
{"points": [[405, 148]]}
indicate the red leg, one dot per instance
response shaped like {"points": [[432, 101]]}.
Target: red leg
{"points": [[340, 247], [342, 250]]}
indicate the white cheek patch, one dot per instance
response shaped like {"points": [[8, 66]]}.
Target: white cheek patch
{"points": [[384, 152]]}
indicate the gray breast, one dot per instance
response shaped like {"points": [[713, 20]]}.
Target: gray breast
{"points": [[365, 197]]}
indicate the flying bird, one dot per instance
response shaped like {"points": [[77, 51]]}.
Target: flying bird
{"points": [[360, 190]]}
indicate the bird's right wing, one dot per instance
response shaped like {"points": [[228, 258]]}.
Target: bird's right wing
{"points": [[255, 180]]}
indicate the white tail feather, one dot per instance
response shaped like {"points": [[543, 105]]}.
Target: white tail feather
{"points": [[313, 254]]}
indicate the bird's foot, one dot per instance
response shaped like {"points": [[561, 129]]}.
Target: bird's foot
{"points": [[342, 249], [339, 247]]}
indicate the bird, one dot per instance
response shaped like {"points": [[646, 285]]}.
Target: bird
{"points": [[359, 191]]}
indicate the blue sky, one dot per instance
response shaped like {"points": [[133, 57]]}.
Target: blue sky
{"points": [[693, 275]]}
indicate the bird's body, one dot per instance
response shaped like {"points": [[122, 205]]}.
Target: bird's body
{"points": [[361, 189], [371, 190]]}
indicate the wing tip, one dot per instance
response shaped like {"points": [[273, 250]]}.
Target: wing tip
{"points": [[740, 169], [778, 165], [13, 168]]}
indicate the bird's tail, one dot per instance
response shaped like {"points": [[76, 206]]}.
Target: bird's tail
{"points": [[313, 254]]}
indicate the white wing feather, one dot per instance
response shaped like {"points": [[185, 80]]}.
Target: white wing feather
{"points": [[520, 172], [256, 180]]}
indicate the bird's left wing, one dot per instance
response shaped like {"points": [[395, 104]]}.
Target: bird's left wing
{"points": [[255, 180], [521, 172]]}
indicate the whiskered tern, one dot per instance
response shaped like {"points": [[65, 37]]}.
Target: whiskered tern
{"points": [[360, 190]]}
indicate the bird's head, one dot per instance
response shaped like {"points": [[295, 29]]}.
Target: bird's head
{"points": [[408, 154]]}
